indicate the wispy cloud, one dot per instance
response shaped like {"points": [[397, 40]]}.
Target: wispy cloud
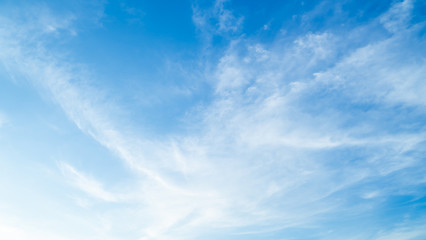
{"points": [[87, 184], [279, 107], [290, 128], [404, 231], [216, 20]]}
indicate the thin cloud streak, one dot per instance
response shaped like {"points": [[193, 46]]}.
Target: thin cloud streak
{"points": [[87, 184]]}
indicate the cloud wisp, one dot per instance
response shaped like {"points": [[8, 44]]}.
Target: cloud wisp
{"points": [[295, 133]]}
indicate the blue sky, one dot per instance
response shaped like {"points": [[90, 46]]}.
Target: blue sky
{"points": [[213, 120]]}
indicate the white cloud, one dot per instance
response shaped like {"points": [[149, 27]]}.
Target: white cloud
{"points": [[395, 81], [397, 18], [216, 20], [411, 231], [267, 151], [274, 106], [227, 22], [87, 184]]}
